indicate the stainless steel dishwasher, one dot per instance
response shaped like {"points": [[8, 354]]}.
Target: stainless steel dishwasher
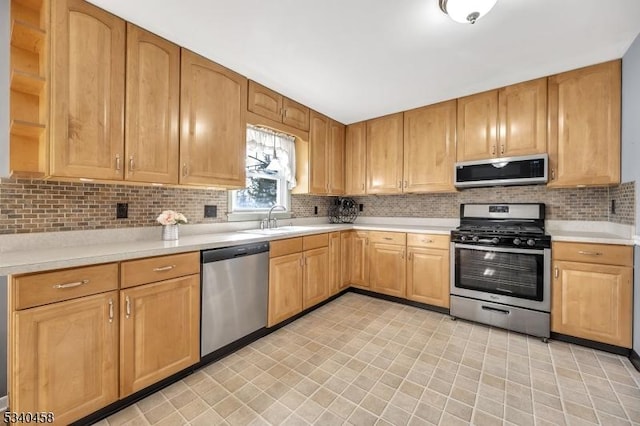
{"points": [[235, 294]]}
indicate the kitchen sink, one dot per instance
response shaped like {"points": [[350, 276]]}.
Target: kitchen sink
{"points": [[279, 231]]}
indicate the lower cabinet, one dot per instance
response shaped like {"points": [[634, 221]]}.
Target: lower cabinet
{"points": [[64, 357], [79, 344], [387, 263], [335, 271], [359, 259], [428, 269], [592, 292], [298, 275], [160, 331]]}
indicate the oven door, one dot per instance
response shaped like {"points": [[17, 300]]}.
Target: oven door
{"points": [[511, 276]]}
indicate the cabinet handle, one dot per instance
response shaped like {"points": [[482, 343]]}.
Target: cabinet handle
{"points": [[400, 184], [71, 285], [117, 161], [427, 241], [553, 174], [502, 149], [402, 254], [556, 272], [388, 238], [131, 163], [410, 257], [185, 169], [493, 150], [164, 268], [110, 310], [127, 303], [406, 184], [590, 253]]}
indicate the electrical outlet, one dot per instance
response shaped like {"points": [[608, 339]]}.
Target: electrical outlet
{"points": [[361, 207], [122, 210], [210, 211], [315, 209]]}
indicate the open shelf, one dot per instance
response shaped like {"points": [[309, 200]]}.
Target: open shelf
{"points": [[27, 83], [28, 37], [27, 129]]}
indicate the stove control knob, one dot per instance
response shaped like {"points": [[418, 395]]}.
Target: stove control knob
{"points": [[517, 241], [495, 240], [475, 239], [463, 238], [531, 242]]}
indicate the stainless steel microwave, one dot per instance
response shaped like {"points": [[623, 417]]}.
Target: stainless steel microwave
{"points": [[525, 170]]}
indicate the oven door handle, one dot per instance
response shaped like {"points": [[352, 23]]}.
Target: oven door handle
{"points": [[499, 249], [492, 309]]}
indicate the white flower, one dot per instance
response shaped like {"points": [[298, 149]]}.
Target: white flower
{"points": [[169, 217]]}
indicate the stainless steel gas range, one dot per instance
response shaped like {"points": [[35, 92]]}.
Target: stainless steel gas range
{"points": [[501, 267]]}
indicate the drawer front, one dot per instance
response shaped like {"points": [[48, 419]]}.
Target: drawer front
{"points": [[315, 241], [605, 254], [388, 237], [428, 241], [152, 269], [48, 287], [284, 247]]}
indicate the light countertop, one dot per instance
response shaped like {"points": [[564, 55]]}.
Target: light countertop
{"points": [[53, 252]]}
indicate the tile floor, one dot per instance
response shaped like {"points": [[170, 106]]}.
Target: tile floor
{"points": [[364, 361]]}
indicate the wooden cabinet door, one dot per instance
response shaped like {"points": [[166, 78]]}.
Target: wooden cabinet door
{"points": [[315, 288], [213, 104], [160, 331], [318, 166], [264, 101], [384, 154], [65, 357], [152, 103], [477, 126], [359, 269], [335, 266], [285, 287], [387, 269], [592, 302], [428, 276], [522, 118], [335, 158], [295, 114], [584, 126], [346, 254], [355, 159], [87, 87], [429, 148]]}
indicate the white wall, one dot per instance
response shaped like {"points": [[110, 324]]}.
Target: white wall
{"points": [[5, 34], [631, 155]]}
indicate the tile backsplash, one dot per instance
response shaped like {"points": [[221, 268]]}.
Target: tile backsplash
{"points": [[42, 206]]}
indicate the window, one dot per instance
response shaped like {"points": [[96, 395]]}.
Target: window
{"points": [[270, 173]]}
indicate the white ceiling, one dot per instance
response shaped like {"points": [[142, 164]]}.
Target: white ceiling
{"points": [[358, 59]]}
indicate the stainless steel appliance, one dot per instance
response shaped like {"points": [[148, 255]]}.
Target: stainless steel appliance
{"points": [[501, 267], [235, 288], [523, 170]]}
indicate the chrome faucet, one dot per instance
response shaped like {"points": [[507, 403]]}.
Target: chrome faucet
{"points": [[269, 222]]}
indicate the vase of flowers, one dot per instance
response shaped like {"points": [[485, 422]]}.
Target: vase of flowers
{"points": [[170, 221]]}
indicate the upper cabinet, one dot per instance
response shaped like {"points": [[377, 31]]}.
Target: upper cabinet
{"points": [[272, 105], [522, 118], [355, 173], [507, 122], [384, 154], [429, 148], [152, 104], [584, 126], [88, 69], [326, 155], [213, 103]]}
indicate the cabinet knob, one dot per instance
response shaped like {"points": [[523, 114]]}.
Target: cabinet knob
{"points": [[502, 149]]}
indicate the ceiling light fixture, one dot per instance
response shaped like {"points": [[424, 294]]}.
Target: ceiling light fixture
{"points": [[466, 11]]}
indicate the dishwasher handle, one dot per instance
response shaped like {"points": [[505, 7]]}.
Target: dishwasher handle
{"points": [[216, 255]]}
